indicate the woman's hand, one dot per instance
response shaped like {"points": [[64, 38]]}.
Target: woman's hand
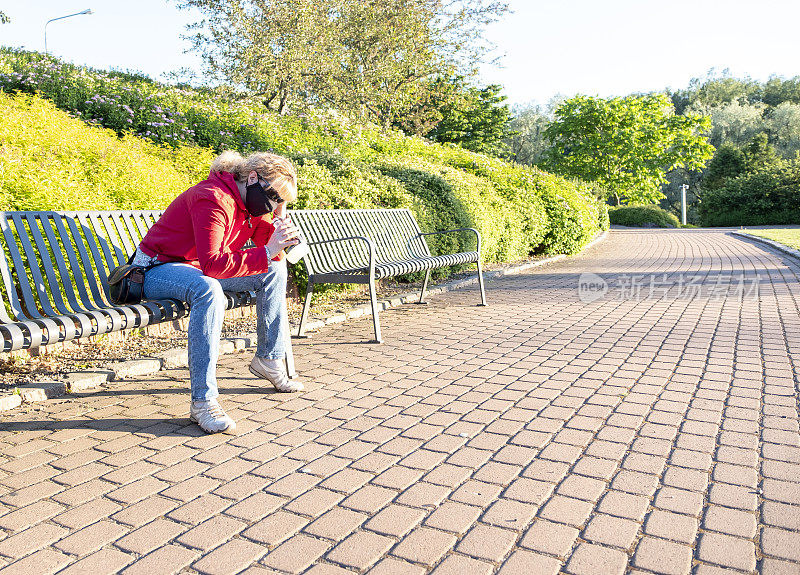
{"points": [[285, 234]]}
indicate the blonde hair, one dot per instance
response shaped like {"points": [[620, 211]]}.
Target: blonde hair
{"points": [[276, 169]]}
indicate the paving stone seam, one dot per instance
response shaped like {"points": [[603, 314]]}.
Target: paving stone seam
{"points": [[759, 510], [87, 381]]}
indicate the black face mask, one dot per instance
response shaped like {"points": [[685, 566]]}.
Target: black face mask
{"points": [[260, 200]]}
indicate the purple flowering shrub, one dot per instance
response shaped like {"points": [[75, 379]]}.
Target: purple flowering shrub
{"points": [[169, 115]]}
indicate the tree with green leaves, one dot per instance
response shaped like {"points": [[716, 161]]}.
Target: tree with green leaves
{"points": [[716, 89], [759, 154], [776, 91], [784, 127], [626, 145], [3, 18], [379, 74], [373, 59], [266, 48], [474, 118], [733, 122], [526, 143], [728, 162]]}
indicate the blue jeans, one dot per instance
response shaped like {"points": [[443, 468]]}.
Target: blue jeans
{"points": [[206, 298]]}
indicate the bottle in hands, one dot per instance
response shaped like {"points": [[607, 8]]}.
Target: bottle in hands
{"points": [[296, 252]]}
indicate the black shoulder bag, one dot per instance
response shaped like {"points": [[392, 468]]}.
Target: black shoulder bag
{"points": [[126, 282]]}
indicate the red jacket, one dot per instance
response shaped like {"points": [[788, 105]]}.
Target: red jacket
{"points": [[206, 226]]}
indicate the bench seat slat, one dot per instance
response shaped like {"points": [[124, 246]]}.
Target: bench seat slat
{"points": [[15, 336], [422, 264], [391, 269]]}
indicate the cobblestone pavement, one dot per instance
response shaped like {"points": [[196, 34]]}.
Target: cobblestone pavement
{"points": [[644, 423]]}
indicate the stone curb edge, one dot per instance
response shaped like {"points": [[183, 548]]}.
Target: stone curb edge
{"points": [[777, 245], [175, 358]]}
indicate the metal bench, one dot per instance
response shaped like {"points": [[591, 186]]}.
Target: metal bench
{"points": [[361, 246], [55, 277]]}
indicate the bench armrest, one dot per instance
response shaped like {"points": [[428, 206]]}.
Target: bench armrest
{"points": [[369, 242], [473, 230]]}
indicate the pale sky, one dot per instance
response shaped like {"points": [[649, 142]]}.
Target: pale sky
{"points": [[592, 47]]}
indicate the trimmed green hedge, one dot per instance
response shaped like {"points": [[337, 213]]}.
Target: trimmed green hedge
{"points": [[642, 217], [767, 197], [110, 139]]}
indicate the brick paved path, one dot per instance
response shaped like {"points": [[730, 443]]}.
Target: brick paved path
{"points": [[654, 429]]}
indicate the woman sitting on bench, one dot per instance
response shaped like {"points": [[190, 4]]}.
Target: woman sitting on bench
{"points": [[201, 236]]}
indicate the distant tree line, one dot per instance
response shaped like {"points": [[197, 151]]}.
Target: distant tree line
{"points": [[754, 126], [755, 129]]}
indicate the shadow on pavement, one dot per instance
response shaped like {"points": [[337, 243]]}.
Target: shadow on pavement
{"points": [[157, 427]]}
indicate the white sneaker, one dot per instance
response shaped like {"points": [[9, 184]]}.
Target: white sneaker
{"points": [[210, 417], [274, 371]]}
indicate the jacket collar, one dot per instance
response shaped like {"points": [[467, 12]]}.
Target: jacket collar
{"points": [[227, 182]]}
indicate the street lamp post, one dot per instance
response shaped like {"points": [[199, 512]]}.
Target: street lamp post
{"points": [[87, 11], [684, 187]]}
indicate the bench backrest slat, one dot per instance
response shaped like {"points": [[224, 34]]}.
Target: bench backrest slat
{"points": [[394, 232], [138, 223], [8, 290], [67, 266], [113, 240], [94, 231], [43, 251], [9, 263], [116, 224], [24, 284], [57, 263], [86, 269]]}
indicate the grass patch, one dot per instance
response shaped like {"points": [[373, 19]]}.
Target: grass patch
{"points": [[786, 236]]}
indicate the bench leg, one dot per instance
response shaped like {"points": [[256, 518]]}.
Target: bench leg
{"points": [[373, 299], [306, 307], [480, 283], [290, 370], [424, 287]]}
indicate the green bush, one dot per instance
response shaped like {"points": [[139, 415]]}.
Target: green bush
{"points": [[51, 161], [642, 217], [770, 196], [146, 142], [577, 218]]}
